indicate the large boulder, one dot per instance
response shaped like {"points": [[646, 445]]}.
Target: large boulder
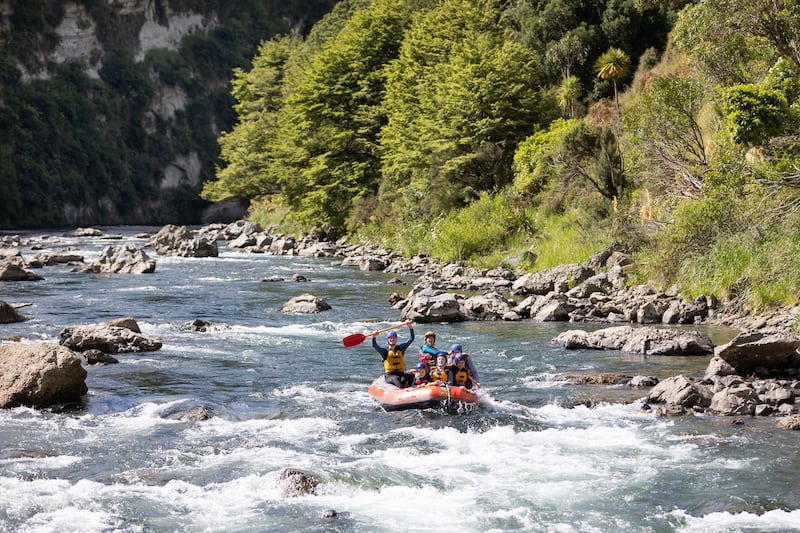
{"points": [[432, 305], [644, 340], [120, 336], [84, 232], [40, 375], [54, 258], [181, 241], [760, 352], [9, 314], [489, 306], [124, 259], [680, 391], [739, 399], [305, 303], [558, 279], [13, 269]]}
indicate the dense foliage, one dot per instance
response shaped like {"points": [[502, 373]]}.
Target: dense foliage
{"points": [[400, 112], [534, 132], [88, 150]]}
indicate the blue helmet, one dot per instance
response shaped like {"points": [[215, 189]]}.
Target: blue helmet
{"points": [[391, 334], [460, 357], [455, 348], [422, 366]]}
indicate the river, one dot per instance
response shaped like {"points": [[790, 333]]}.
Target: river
{"points": [[283, 392]]}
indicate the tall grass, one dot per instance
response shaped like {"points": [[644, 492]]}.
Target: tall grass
{"points": [[764, 273], [490, 224], [569, 238]]}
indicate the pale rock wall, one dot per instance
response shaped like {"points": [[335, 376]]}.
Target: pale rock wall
{"points": [[78, 40], [182, 170], [155, 36]]}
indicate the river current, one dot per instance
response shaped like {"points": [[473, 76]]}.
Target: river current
{"points": [[538, 455]]}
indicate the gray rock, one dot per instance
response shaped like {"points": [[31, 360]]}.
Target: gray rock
{"points": [[736, 400], [50, 259], [305, 303], [9, 314], [96, 357], [40, 375], [432, 305], [124, 259], [676, 390], [108, 338], [645, 340], [13, 269], [750, 351], [790, 422], [296, 482], [489, 306], [174, 240]]}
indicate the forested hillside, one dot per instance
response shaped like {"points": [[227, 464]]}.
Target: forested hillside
{"points": [[534, 132], [110, 111]]}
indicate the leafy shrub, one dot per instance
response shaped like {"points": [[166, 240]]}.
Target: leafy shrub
{"points": [[755, 113], [488, 223], [568, 238]]}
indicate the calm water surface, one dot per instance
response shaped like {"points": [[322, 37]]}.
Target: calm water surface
{"points": [[539, 455]]}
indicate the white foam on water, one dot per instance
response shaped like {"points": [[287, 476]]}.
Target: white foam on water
{"points": [[141, 288], [283, 429], [45, 505], [722, 522]]}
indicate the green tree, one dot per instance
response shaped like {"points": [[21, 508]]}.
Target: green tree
{"points": [[328, 153], [665, 139], [246, 150], [613, 65], [459, 98], [568, 94], [710, 34]]}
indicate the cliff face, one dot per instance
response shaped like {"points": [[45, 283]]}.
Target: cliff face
{"points": [[110, 110]]}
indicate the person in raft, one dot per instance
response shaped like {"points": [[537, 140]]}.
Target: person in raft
{"points": [[439, 374], [455, 350], [421, 375], [460, 374], [394, 365], [428, 352]]}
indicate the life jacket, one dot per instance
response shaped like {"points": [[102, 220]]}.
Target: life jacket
{"points": [[461, 377], [394, 362], [423, 380], [438, 375]]}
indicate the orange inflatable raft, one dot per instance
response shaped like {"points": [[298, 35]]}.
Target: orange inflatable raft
{"points": [[393, 398]]}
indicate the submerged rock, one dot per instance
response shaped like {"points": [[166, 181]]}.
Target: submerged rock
{"points": [[296, 482]]}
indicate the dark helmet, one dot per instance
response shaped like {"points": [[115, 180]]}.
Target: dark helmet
{"points": [[422, 366], [391, 334], [455, 348], [460, 357]]}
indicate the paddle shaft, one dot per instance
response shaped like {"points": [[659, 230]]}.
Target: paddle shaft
{"points": [[357, 338]]}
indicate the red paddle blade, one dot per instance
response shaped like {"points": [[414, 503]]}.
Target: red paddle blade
{"points": [[354, 340]]}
